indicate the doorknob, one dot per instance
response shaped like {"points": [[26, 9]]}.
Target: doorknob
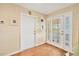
{"points": [[62, 32]]}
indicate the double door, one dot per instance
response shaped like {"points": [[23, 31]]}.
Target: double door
{"points": [[61, 31]]}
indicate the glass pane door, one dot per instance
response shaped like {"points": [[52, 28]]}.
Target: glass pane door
{"points": [[55, 31], [68, 31]]}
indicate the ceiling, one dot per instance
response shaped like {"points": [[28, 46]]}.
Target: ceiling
{"points": [[44, 8]]}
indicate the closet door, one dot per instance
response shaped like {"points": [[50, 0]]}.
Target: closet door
{"points": [[68, 31], [27, 31]]}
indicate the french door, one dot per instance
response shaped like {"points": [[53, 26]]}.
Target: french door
{"points": [[68, 31], [61, 29], [57, 28]]}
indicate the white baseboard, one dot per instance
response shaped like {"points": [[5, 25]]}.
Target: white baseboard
{"points": [[35, 46], [21, 50], [39, 44], [14, 52], [54, 44]]}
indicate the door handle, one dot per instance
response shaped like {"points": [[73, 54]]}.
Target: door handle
{"points": [[62, 32]]}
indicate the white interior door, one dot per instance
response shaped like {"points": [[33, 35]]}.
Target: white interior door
{"points": [[40, 31], [27, 31]]}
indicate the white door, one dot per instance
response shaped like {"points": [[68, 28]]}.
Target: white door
{"points": [[27, 31], [40, 31], [56, 29], [68, 31]]}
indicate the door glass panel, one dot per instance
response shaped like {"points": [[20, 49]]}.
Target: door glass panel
{"points": [[67, 37], [67, 44], [68, 31], [55, 31]]}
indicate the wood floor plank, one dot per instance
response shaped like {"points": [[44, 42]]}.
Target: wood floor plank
{"points": [[42, 50]]}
